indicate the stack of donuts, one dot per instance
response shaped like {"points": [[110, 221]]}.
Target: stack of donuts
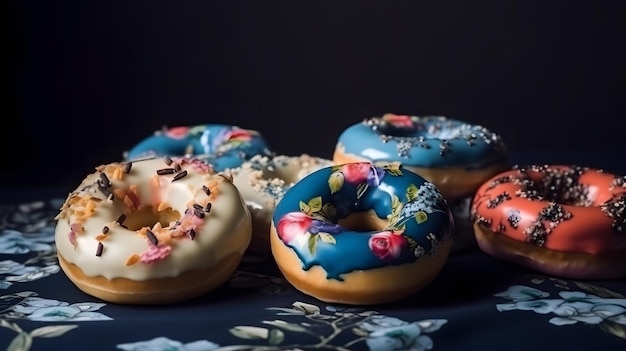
{"points": [[185, 206]]}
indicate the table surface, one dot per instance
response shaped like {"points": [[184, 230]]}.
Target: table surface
{"points": [[476, 302]]}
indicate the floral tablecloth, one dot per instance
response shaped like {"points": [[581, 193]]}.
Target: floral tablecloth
{"points": [[477, 302]]}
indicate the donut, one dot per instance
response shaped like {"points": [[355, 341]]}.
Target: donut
{"points": [[361, 234], [455, 156], [153, 231], [565, 221], [263, 181], [223, 146]]}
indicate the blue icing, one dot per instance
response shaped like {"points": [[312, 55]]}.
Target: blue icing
{"points": [[223, 146], [431, 141], [306, 218]]}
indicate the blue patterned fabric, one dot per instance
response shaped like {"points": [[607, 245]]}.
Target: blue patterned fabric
{"points": [[475, 303]]}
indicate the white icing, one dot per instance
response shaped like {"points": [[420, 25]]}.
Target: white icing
{"points": [[224, 230], [263, 181]]}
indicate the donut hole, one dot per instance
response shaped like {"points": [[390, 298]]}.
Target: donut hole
{"points": [[363, 222], [148, 216]]}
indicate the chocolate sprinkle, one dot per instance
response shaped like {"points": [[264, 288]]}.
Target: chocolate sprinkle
{"points": [[120, 220], [206, 190], [105, 230], [152, 237], [198, 207], [177, 167], [208, 207], [128, 167], [198, 213], [179, 176], [99, 249], [164, 171], [105, 182], [191, 233], [168, 161]]}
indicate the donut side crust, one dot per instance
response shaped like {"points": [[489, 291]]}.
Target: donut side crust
{"points": [[168, 290]]}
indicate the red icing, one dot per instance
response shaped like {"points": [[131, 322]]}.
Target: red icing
{"points": [[581, 214]]}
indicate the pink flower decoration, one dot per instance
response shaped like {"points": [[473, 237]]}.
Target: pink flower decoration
{"points": [[398, 120], [387, 244], [356, 172], [291, 225], [155, 253], [177, 132], [238, 135]]}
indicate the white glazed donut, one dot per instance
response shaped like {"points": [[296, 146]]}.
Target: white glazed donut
{"points": [[263, 181], [154, 231]]}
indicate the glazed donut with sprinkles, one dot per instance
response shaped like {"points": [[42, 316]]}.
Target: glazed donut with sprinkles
{"points": [[566, 221], [223, 146], [361, 234], [153, 231], [454, 155]]}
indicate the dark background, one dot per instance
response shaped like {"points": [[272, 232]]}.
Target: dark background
{"points": [[86, 80]]}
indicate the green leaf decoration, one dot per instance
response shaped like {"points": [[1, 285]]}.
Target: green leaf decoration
{"points": [[327, 238], [360, 332], [412, 243], [360, 190], [248, 332], [307, 308], [328, 211], [396, 210], [304, 207], [51, 331], [616, 329], [21, 342], [599, 291], [421, 217], [312, 244], [276, 337], [315, 204], [287, 326], [335, 181], [393, 168], [411, 192]]}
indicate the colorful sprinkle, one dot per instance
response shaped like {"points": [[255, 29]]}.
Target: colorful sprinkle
{"points": [[132, 259]]}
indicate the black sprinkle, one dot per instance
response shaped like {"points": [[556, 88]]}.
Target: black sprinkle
{"points": [[208, 207], [179, 176], [99, 249], [152, 237], [166, 171], [105, 230], [206, 190], [198, 213], [105, 182], [128, 167], [191, 233], [197, 207], [105, 190], [121, 219], [168, 161]]}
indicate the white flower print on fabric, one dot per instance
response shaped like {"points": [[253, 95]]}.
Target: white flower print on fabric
{"points": [[165, 344], [27, 306], [570, 307]]}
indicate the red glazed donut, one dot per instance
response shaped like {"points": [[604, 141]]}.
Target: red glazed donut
{"points": [[558, 220]]}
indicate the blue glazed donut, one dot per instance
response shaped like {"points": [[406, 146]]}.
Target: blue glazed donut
{"points": [[454, 155], [223, 146], [353, 233]]}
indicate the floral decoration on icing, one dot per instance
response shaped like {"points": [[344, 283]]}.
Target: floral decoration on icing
{"points": [[312, 228]]}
